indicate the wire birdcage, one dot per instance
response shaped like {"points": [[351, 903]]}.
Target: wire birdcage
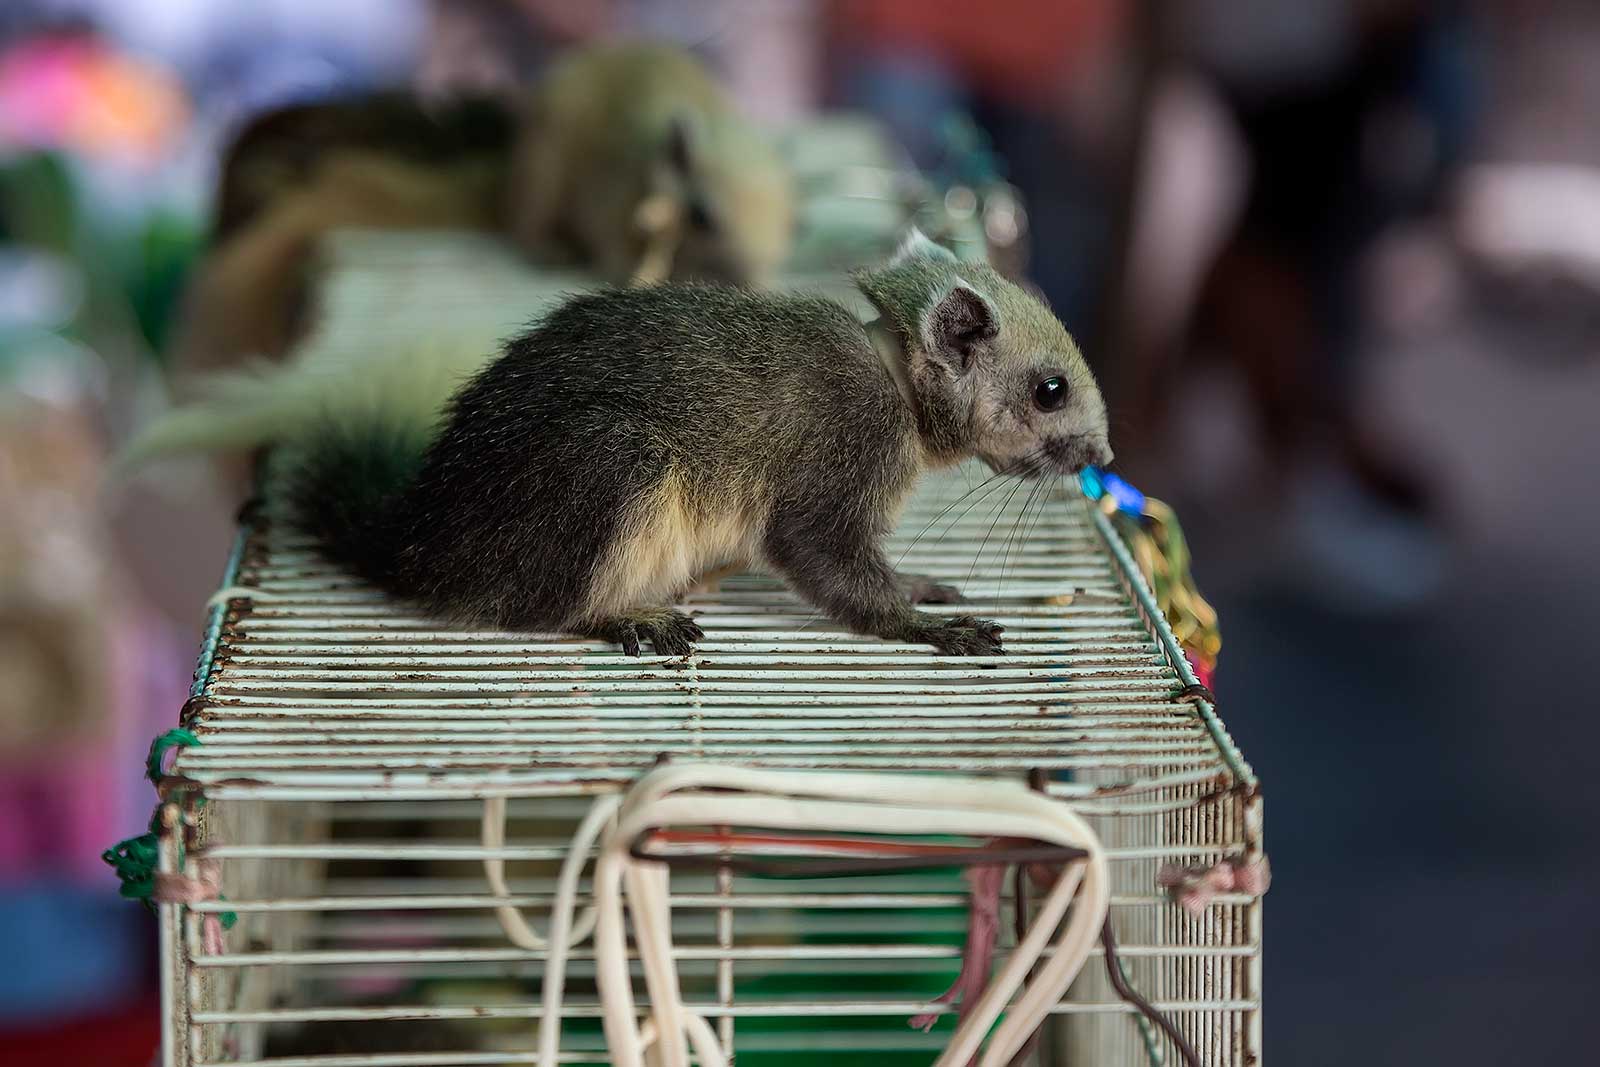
{"points": [[354, 756]]}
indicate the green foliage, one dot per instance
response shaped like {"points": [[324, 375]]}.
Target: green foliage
{"points": [[133, 274]]}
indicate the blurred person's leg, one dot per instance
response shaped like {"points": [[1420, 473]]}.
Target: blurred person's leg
{"points": [[1189, 189], [1257, 308], [1337, 163]]}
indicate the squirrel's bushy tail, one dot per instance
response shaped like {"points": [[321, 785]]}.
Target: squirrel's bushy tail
{"points": [[283, 404], [338, 484], [345, 436]]}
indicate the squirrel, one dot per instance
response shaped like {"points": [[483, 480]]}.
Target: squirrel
{"points": [[632, 158], [608, 129], [635, 438], [628, 159]]}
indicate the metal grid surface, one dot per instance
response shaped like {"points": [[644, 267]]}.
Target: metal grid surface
{"points": [[347, 744], [324, 689]]}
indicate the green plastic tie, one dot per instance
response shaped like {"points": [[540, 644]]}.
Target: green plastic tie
{"points": [[135, 859], [176, 738]]}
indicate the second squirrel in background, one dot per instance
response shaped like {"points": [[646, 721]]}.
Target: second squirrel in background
{"points": [[634, 160], [628, 160]]}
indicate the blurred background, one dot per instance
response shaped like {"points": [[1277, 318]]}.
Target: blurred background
{"points": [[1336, 262]]}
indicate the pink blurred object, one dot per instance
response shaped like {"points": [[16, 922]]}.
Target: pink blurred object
{"points": [[73, 92], [62, 803], [1195, 887], [206, 885], [87, 674]]}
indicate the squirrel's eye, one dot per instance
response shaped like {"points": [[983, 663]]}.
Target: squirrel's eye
{"points": [[1050, 394]]}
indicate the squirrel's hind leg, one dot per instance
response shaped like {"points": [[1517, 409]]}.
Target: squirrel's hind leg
{"points": [[670, 632]]}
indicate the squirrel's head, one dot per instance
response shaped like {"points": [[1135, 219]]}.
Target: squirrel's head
{"points": [[993, 372], [735, 195]]}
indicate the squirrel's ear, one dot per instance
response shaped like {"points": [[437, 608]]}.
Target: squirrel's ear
{"points": [[917, 246], [955, 328]]}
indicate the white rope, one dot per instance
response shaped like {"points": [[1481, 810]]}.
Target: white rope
{"points": [[794, 801], [649, 905], [701, 1036], [564, 933], [867, 803], [240, 592], [494, 837]]}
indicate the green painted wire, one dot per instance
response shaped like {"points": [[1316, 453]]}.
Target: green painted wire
{"points": [[218, 612], [1180, 665], [1169, 644]]}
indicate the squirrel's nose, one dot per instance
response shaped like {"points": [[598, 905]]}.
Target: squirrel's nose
{"points": [[1076, 453]]}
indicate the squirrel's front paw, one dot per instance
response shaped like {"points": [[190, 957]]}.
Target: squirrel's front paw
{"points": [[965, 636]]}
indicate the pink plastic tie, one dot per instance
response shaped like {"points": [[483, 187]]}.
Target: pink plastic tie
{"points": [[1195, 887], [206, 885]]}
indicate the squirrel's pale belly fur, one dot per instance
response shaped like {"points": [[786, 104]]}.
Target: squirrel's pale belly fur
{"points": [[668, 542]]}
